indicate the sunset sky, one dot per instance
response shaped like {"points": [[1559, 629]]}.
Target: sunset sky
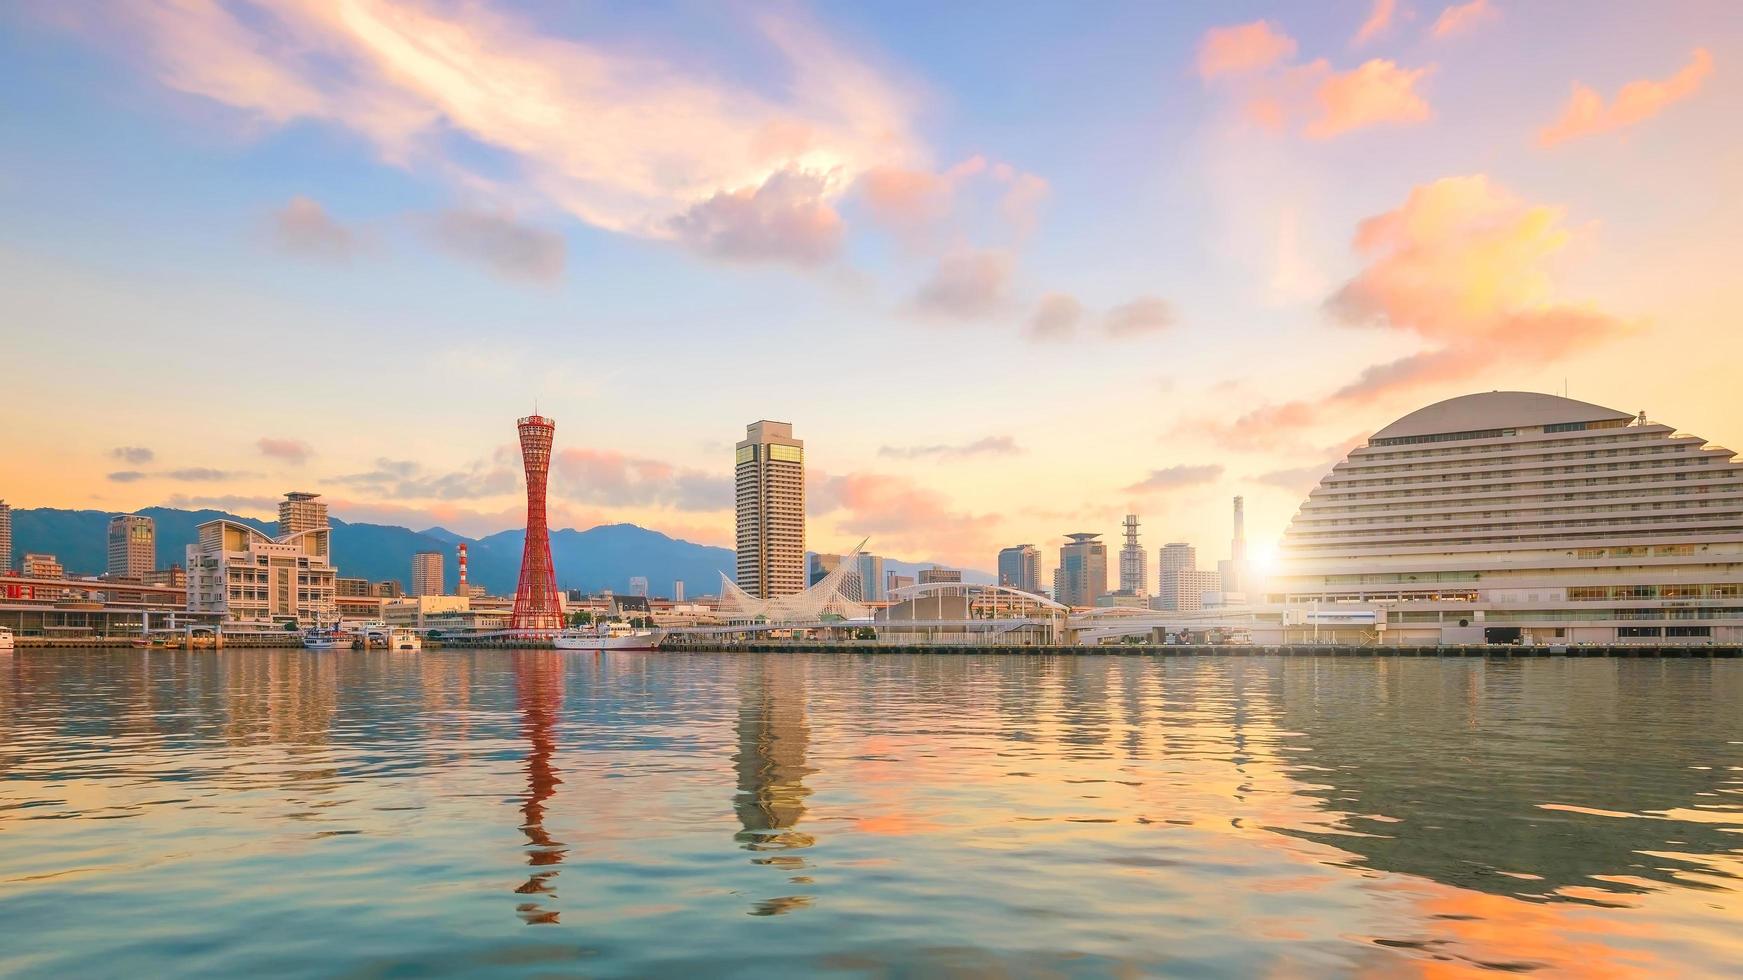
{"points": [[1010, 269]]}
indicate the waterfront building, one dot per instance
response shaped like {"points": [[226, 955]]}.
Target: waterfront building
{"points": [[1134, 568], [1522, 517], [769, 480], [5, 537], [1020, 568], [427, 574], [871, 578], [537, 604], [939, 575], [1082, 575], [243, 575], [351, 587], [173, 577], [132, 546], [42, 566]]}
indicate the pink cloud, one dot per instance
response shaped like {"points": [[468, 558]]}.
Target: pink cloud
{"points": [[903, 517], [1463, 266], [501, 243], [614, 479], [1144, 315], [1586, 114], [1056, 317], [1378, 20], [786, 219], [616, 135], [1378, 92], [1462, 17], [1243, 48], [289, 450], [303, 227], [918, 203], [967, 284]]}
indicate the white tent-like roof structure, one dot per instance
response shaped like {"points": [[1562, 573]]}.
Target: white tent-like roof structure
{"points": [[836, 594]]}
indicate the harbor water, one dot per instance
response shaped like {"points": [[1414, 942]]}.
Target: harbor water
{"points": [[467, 813]]}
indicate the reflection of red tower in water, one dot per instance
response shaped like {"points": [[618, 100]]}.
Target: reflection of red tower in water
{"points": [[536, 606], [539, 689]]}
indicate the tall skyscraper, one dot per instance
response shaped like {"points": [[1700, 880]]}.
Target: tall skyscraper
{"points": [[427, 573], [5, 537], [299, 512], [871, 578], [678, 591], [1134, 566], [536, 603], [770, 480], [1020, 568], [132, 546], [1083, 571], [1233, 573]]}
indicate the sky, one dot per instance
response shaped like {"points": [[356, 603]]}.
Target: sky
{"points": [[1011, 270]]}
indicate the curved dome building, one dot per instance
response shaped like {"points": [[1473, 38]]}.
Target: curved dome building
{"points": [[1514, 516]]}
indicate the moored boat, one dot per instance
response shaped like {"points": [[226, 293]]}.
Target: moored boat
{"points": [[318, 637], [613, 637]]}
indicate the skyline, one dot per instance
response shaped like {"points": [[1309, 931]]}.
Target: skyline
{"points": [[1400, 208]]}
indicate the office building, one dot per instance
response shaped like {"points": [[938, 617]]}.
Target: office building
{"points": [[388, 589], [938, 575], [427, 577], [1020, 568], [41, 566], [1234, 570], [871, 578], [896, 580], [351, 587], [1082, 575], [5, 537], [1521, 517], [173, 577], [246, 576], [132, 547], [303, 513], [1134, 568], [1174, 556], [770, 490], [678, 591], [1186, 590], [821, 566]]}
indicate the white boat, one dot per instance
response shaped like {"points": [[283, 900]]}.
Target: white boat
{"points": [[318, 637], [5, 638], [616, 636]]}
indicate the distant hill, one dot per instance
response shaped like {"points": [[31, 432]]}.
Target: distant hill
{"points": [[603, 557]]}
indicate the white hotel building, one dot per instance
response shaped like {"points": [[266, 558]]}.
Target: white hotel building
{"points": [[248, 577], [1520, 517]]}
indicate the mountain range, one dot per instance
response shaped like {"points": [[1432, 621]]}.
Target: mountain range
{"points": [[603, 557]]}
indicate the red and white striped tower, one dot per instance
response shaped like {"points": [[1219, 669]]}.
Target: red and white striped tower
{"points": [[462, 588], [536, 604]]}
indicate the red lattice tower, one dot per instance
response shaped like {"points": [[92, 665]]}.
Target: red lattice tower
{"points": [[536, 605]]}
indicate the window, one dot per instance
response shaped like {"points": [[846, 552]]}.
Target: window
{"points": [[787, 454]]}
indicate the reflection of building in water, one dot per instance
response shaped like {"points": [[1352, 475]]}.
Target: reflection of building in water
{"points": [[539, 691], [1502, 778], [772, 740]]}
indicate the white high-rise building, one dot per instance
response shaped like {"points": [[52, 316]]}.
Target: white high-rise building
{"points": [[132, 546], [770, 481], [5, 537], [1134, 568], [1513, 516]]}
